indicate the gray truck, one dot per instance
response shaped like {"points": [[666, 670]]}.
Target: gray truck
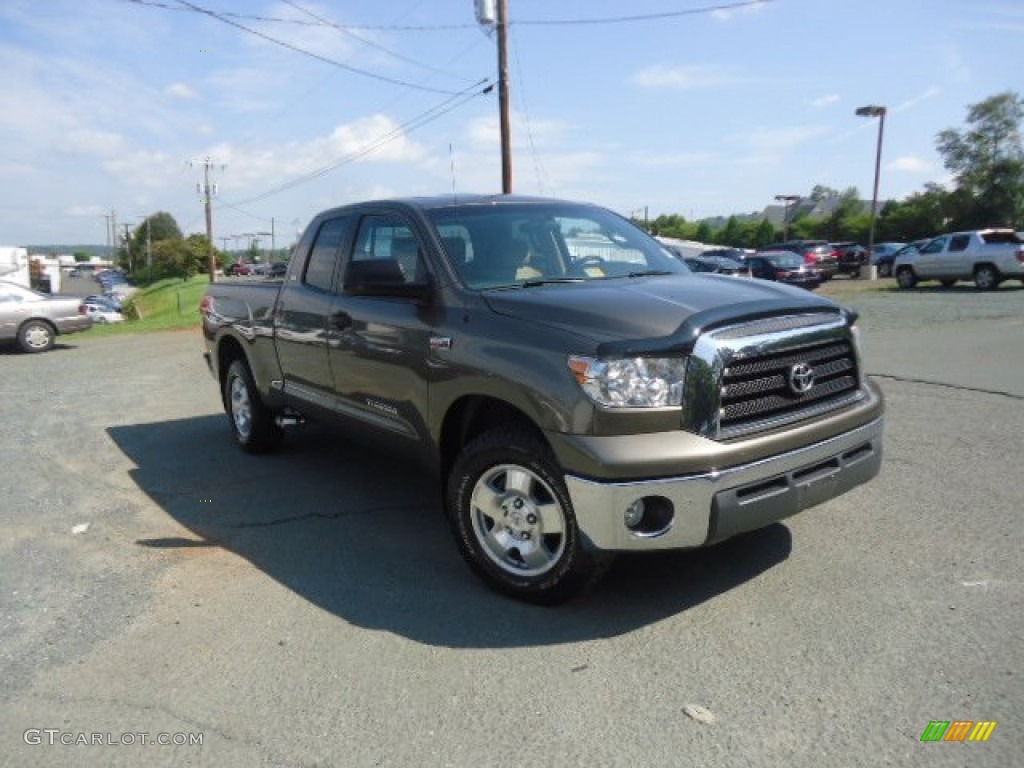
{"points": [[578, 391]]}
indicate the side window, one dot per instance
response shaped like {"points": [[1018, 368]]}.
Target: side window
{"points": [[387, 249], [959, 242], [324, 256], [936, 245]]}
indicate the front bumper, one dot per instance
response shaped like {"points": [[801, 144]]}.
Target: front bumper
{"points": [[712, 506]]}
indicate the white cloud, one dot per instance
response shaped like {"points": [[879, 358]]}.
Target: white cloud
{"points": [[86, 210], [911, 103], [780, 139], [727, 14], [910, 164], [651, 159], [181, 91], [91, 142], [682, 77], [483, 132], [824, 101]]}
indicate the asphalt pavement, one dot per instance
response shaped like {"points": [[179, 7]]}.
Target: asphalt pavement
{"points": [[309, 608]]}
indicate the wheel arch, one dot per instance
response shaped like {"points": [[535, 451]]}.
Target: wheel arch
{"points": [[471, 416], [228, 350]]}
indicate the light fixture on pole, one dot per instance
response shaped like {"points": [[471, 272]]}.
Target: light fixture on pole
{"points": [[786, 200], [874, 111]]}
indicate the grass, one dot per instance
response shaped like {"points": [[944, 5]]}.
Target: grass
{"points": [[169, 304]]}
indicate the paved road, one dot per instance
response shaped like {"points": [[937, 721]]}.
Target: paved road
{"points": [[309, 608]]}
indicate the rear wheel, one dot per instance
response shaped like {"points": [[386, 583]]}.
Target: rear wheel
{"points": [[252, 423], [514, 521], [986, 277], [36, 336], [905, 278]]}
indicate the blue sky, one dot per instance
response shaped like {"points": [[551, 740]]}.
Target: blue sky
{"points": [[701, 114]]}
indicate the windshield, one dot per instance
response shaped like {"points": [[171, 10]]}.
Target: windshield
{"points": [[14, 292], [510, 244], [785, 260]]}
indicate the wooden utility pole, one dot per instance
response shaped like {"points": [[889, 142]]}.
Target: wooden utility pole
{"points": [[506, 131]]}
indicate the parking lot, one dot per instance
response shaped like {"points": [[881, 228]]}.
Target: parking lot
{"points": [[310, 608]]}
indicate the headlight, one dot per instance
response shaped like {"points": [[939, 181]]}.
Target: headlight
{"points": [[638, 382]]}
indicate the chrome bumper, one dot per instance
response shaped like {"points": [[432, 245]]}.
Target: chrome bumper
{"points": [[714, 506]]}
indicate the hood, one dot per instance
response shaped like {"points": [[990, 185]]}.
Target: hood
{"points": [[658, 308]]}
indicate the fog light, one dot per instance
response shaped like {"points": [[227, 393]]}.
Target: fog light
{"points": [[634, 514]]}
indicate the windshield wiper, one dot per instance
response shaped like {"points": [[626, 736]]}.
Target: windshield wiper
{"points": [[651, 273], [549, 280]]}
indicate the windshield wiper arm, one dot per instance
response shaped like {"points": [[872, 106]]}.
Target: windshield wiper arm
{"points": [[651, 273], [550, 280]]}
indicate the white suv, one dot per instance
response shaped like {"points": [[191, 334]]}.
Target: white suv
{"points": [[986, 256]]}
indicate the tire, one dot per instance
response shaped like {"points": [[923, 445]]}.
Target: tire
{"points": [[986, 278], [906, 279], [947, 283], [885, 270], [513, 519], [252, 423], [36, 336]]}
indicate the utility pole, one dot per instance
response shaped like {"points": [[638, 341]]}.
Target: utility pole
{"points": [[208, 192], [506, 130], [273, 239]]}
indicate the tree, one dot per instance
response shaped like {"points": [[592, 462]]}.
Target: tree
{"points": [[81, 256], [987, 160], [920, 215]]}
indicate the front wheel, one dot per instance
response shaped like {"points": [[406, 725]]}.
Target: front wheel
{"points": [[905, 278], [514, 521], [252, 423], [986, 278]]}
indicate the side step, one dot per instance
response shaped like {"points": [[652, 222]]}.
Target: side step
{"points": [[289, 418]]}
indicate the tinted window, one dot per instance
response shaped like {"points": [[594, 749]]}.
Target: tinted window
{"points": [[1000, 237], [935, 245], [324, 256], [959, 242], [392, 245]]}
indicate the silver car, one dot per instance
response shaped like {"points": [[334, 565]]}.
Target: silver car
{"points": [[34, 319]]}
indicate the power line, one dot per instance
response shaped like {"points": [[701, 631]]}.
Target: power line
{"points": [[410, 125], [450, 27], [369, 43], [311, 54], [645, 17]]}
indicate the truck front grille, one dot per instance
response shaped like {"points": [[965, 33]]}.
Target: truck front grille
{"points": [[760, 392]]}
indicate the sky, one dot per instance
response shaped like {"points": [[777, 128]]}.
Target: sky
{"points": [[700, 109]]}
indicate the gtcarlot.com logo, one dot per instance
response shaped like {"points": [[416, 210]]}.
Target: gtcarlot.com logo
{"points": [[54, 736], [958, 730]]}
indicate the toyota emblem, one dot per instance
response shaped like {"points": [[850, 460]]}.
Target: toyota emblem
{"points": [[801, 378]]}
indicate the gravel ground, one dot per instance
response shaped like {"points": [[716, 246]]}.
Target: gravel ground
{"points": [[308, 608]]}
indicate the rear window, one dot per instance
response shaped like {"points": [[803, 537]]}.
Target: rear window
{"points": [[999, 238]]}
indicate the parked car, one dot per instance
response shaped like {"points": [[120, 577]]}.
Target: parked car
{"points": [[986, 256], [736, 254], [261, 268], [102, 315], [851, 258], [883, 255], [784, 267], [717, 264], [114, 305], [278, 269], [34, 319], [238, 268], [816, 253]]}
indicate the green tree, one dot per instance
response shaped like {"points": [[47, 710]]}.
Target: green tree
{"points": [[198, 259], [703, 233], [987, 160], [81, 256], [919, 215], [763, 235]]}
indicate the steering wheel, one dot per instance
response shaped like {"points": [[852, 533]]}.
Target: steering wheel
{"points": [[579, 265]]}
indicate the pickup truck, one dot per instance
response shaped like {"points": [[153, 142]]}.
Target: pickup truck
{"points": [[986, 256], [578, 391]]}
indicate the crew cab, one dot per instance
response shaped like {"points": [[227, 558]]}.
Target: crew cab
{"points": [[986, 256], [577, 389]]}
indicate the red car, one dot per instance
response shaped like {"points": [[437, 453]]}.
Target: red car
{"points": [[239, 268]]}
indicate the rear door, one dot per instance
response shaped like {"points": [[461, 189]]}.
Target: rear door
{"points": [[956, 261], [301, 316], [381, 344]]}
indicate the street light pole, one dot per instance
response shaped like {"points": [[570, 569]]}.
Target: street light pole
{"points": [[874, 111], [786, 200]]}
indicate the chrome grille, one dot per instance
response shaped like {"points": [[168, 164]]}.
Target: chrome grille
{"points": [[756, 392]]}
